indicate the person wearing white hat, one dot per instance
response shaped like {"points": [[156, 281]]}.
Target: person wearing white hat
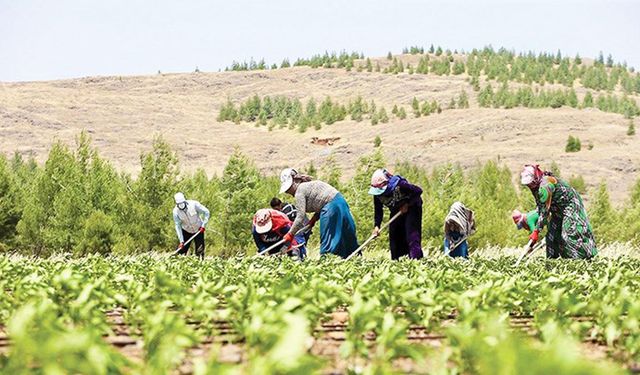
{"points": [[337, 227], [190, 217], [397, 194], [269, 227]]}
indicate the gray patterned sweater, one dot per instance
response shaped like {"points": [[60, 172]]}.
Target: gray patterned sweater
{"points": [[311, 197]]}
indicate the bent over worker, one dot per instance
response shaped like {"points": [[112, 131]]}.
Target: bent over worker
{"points": [[190, 218], [337, 227], [269, 227], [396, 193], [458, 226], [569, 233]]}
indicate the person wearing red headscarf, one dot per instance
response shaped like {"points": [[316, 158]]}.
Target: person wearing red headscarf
{"points": [[569, 233]]}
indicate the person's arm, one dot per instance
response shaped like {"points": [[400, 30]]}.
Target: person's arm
{"points": [[378, 212], [178, 223], [413, 191], [258, 241], [201, 209], [301, 207], [545, 194]]}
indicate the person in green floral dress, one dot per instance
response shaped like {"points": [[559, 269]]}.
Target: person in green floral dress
{"points": [[569, 233]]}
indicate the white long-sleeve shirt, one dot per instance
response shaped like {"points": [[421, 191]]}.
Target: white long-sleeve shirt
{"points": [[190, 219]]}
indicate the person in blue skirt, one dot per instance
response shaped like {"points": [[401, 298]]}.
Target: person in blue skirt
{"points": [[458, 226]]}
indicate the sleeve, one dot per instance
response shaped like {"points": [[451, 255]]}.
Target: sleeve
{"points": [[413, 191], [204, 211], [178, 223], [301, 206], [545, 194], [378, 212], [258, 241]]}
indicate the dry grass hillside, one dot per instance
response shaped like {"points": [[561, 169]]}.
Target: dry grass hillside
{"points": [[124, 113]]}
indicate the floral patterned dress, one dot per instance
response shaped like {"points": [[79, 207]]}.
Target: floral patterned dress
{"points": [[569, 233]]}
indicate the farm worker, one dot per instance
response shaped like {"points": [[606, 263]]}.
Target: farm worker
{"points": [[397, 194], [569, 233], [337, 228], [191, 218], [458, 226], [269, 227], [291, 211], [527, 221]]}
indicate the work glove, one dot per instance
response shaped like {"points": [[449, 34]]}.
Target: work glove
{"points": [[534, 237], [288, 238], [181, 246], [201, 230]]}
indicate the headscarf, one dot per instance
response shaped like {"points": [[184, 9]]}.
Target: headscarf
{"points": [[531, 175], [463, 217]]}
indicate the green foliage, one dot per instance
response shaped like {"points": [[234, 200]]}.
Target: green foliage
{"points": [[239, 185], [377, 141], [10, 203], [578, 183], [97, 235], [631, 130], [463, 100], [573, 144]]}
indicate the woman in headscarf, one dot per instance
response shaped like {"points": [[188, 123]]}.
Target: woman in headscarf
{"points": [[458, 226], [569, 233], [337, 228], [397, 194]]}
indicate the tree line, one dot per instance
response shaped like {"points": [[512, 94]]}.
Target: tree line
{"points": [[78, 202]]}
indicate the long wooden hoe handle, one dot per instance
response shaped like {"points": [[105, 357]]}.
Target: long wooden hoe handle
{"points": [[279, 243], [185, 244], [372, 237]]}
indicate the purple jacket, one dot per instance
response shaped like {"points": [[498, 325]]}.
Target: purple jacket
{"points": [[404, 192]]}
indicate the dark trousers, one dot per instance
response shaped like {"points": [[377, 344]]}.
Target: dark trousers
{"points": [[405, 234], [199, 240]]}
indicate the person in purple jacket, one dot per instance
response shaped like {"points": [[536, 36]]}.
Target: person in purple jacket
{"points": [[396, 193]]}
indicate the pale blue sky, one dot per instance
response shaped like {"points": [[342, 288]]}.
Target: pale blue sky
{"points": [[73, 38]]}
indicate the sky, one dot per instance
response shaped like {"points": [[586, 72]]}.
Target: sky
{"points": [[45, 40]]}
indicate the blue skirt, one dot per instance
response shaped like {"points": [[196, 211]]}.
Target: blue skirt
{"points": [[462, 250], [337, 228]]}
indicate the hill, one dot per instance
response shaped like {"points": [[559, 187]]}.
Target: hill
{"points": [[123, 114]]}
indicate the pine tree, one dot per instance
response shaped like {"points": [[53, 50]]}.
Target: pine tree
{"points": [[439, 51], [577, 60], [463, 100], [382, 115], [394, 110], [415, 104], [588, 100], [402, 114], [485, 97], [389, 56], [431, 49], [369, 66], [631, 130], [377, 141], [609, 61]]}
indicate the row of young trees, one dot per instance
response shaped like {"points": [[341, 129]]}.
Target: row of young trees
{"points": [[526, 96], [342, 59], [281, 111], [77, 202]]}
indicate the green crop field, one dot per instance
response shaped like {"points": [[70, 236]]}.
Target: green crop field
{"points": [[151, 314]]}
